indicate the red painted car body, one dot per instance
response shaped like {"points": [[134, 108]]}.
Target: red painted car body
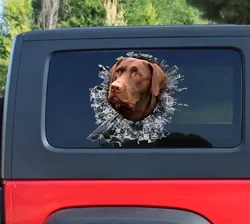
{"points": [[223, 202]]}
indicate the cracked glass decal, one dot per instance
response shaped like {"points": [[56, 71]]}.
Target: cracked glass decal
{"points": [[114, 128]]}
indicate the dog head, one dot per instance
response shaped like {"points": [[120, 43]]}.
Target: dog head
{"points": [[134, 87]]}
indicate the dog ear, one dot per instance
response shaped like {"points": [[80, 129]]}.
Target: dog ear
{"points": [[112, 70], [159, 79]]}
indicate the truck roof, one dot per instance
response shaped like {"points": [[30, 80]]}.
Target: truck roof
{"points": [[142, 31]]}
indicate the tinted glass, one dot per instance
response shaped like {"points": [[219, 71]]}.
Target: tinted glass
{"points": [[125, 215], [213, 81]]}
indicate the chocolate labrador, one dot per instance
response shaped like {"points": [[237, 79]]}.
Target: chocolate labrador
{"points": [[134, 87]]}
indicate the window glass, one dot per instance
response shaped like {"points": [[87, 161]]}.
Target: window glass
{"points": [[213, 95]]}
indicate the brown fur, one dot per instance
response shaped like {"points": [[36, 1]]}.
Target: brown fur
{"points": [[134, 87]]}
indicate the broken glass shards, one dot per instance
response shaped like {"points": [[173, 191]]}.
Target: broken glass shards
{"points": [[116, 129]]}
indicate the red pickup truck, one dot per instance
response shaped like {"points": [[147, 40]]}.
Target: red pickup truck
{"points": [[69, 157]]}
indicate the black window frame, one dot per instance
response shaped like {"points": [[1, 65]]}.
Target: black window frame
{"points": [[26, 153]]}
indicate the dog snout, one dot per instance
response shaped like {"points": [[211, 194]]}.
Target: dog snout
{"points": [[116, 87]]}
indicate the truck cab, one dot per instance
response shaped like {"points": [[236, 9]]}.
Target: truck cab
{"points": [[60, 164]]}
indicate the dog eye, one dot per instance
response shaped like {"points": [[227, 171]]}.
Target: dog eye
{"points": [[137, 75]]}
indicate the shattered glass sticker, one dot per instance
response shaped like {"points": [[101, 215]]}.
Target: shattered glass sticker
{"points": [[116, 129]]}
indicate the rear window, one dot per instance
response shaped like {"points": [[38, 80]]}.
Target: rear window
{"points": [[213, 95], [125, 215]]}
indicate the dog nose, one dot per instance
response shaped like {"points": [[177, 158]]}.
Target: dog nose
{"points": [[115, 88]]}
